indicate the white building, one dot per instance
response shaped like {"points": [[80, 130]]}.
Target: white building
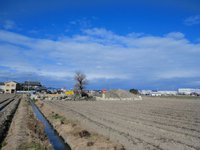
{"points": [[145, 92], [158, 93], [188, 91], [155, 94], [168, 92], [11, 87]]}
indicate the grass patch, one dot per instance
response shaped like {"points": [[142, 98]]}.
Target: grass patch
{"points": [[31, 146], [4, 143], [58, 117], [34, 100]]}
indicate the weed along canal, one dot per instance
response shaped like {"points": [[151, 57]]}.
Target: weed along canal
{"points": [[56, 141]]}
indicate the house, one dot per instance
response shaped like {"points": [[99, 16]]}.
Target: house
{"points": [[31, 85], [11, 87], [41, 89]]}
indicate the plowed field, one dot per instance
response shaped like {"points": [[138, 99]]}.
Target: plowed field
{"points": [[153, 123]]}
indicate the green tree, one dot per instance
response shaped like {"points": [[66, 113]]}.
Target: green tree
{"points": [[134, 91]]}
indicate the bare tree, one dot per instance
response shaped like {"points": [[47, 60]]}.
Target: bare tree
{"points": [[81, 82]]}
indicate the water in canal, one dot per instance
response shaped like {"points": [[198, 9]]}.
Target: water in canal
{"points": [[56, 141]]}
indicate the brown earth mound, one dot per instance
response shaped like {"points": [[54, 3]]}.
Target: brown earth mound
{"points": [[120, 94]]}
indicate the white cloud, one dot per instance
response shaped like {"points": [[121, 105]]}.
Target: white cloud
{"points": [[8, 24], [102, 54], [196, 83], [192, 20], [175, 35], [179, 74]]}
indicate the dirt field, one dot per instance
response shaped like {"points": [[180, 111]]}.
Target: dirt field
{"points": [[78, 137], [22, 131], [153, 123], [3, 97], [8, 106]]}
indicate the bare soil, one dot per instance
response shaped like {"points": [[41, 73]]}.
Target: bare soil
{"points": [[73, 133], [8, 106], [25, 132], [152, 123], [6, 96]]}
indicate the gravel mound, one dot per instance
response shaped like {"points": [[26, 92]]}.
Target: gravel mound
{"points": [[120, 94]]}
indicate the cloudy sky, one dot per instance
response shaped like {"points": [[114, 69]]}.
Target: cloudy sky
{"points": [[117, 44]]}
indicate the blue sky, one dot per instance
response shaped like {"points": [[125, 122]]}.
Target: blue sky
{"points": [[117, 44]]}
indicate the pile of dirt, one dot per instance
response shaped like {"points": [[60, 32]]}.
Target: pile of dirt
{"points": [[120, 94]]}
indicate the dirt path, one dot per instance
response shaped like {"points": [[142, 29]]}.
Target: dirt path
{"points": [[25, 131]]}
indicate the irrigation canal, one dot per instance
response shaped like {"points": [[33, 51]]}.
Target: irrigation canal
{"points": [[56, 141]]}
